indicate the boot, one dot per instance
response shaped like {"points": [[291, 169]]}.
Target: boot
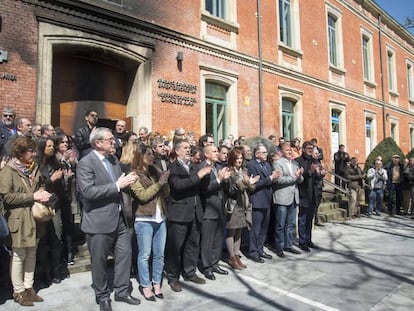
{"points": [[242, 265], [234, 264], [33, 296], [22, 299]]}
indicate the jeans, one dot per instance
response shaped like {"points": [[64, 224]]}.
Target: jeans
{"points": [[305, 218], [285, 224], [150, 236], [375, 199]]}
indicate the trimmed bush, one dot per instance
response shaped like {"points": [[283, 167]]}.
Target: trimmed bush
{"points": [[386, 149]]}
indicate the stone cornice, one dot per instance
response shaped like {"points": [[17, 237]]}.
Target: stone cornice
{"points": [[80, 11]]}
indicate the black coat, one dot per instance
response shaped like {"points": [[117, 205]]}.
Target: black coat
{"points": [[184, 203]]}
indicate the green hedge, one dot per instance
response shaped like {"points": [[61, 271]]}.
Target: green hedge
{"points": [[386, 149]]}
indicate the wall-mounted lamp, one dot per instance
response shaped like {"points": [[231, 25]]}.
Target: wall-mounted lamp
{"points": [[180, 56], [387, 116]]}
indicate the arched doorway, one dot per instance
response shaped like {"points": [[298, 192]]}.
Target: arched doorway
{"points": [[89, 78]]}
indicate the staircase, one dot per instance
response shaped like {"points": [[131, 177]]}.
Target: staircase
{"points": [[333, 207]]}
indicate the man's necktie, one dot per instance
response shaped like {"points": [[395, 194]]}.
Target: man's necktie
{"points": [[108, 167]]}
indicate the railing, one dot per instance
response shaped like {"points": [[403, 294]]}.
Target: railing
{"points": [[343, 183]]}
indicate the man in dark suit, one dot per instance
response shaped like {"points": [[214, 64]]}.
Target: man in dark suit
{"points": [[184, 216], [82, 141], [261, 201], [160, 154], [307, 195], [212, 200], [100, 181]]}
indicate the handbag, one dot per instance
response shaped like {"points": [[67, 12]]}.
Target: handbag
{"points": [[41, 212]]}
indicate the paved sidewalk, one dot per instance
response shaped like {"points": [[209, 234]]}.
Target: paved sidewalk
{"points": [[363, 264]]}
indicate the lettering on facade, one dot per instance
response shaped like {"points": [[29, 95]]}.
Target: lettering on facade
{"points": [[167, 97], [7, 76]]}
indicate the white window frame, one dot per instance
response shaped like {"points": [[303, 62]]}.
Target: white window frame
{"points": [[391, 70], [373, 117], [294, 25], [339, 50], [341, 108], [394, 122], [230, 80], [410, 80], [295, 96], [367, 57], [229, 24]]}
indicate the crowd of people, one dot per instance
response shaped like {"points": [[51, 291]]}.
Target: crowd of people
{"points": [[163, 205]]}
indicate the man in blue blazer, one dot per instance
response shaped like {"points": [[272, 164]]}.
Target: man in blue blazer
{"points": [[261, 201], [100, 181]]}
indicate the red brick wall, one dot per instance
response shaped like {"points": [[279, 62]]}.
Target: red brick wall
{"points": [[19, 38]]}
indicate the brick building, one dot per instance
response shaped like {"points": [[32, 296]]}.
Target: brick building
{"points": [[338, 70]]}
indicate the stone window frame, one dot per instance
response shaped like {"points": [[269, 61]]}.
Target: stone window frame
{"points": [[228, 79]]}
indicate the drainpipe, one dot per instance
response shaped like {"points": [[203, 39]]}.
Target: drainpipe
{"points": [[259, 39], [382, 76]]}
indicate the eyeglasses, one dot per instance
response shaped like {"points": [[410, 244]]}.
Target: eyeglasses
{"points": [[112, 139], [8, 115]]}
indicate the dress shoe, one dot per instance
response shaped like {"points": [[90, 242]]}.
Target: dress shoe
{"points": [[105, 305], [128, 299], [209, 275], [280, 254], [195, 279], [220, 271], [159, 296], [304, 247], [240, 263], [266, 256], [149, 296], [292, 250], [234, 263], [311, 245], [175, 286], [256, 259]]}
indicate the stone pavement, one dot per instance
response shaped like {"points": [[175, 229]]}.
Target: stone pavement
{"points": [[363, 264]]}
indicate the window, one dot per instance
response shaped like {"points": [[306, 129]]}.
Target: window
{"points": [[392, 83], [394, 131], [338, 125], [285, 25], [368, 135], [410, 81], [411, 136], [216, 110], [288, 119], [216, 8], [219, 22], [367, 57], [335, 44], [332, 40]]}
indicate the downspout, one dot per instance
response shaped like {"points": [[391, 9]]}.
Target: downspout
{"points": [[382, 76], [259, 39]]}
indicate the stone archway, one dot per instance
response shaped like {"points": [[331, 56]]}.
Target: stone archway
{"points": [[77, 66]]}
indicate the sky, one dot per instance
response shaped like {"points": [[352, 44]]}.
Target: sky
{"points": [[399, 9]]}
